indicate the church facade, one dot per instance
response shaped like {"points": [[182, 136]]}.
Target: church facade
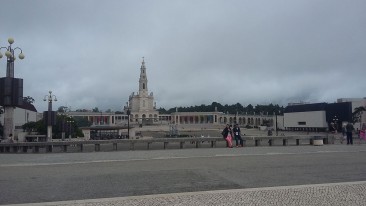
{"points": [[142, 105]]}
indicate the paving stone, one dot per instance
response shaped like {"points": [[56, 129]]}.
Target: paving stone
{"points": [[347, 194]]}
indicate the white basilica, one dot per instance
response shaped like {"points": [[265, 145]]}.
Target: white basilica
{"points": [[142, 105]]}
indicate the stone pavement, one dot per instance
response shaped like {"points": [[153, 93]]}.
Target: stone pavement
{"points": [[347, 193]]}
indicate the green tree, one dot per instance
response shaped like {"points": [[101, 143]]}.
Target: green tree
{"points": [[63, 109], [357, 114], [28, 99], [82, 122], [161, 111], [29, 127], [81, 110], [231, 109], [39, 127], [249, 109], [239, 108], [75, 123], [62, 125], [219, 107], [68, 124], [96, 109]]}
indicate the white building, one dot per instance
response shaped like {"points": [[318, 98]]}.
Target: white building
{"points": [[22, 114], [317, 116], [308, 120], [142, 105]]}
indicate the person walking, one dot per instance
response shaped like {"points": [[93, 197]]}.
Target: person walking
{"points": [[237, 136], [362, 134], [344, 134], [227, 134], [349, 128]]}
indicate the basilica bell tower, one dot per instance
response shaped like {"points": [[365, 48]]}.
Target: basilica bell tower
{"points": [[142, 105], [143, 79]]}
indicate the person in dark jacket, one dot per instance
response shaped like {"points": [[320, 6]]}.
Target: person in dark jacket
{"points": [[349, 129], [237, 136]]}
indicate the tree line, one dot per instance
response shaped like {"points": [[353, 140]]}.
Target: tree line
{"points": [[214, 106], [230, 109]]}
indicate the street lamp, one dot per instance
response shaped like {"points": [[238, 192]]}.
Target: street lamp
{"points": [[70, 122], [335, 123], [277, 113], [11, 57], [12, 95], [63, 129], [50, 117], [63, 123], [128, 121], [276, 125]]}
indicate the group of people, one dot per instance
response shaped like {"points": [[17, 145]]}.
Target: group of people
{"points": [[347, 131], [230, 133]]}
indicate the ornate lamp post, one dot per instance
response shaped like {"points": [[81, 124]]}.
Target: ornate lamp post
{"points": [[63, 124], [11, 89], [49, 116], [335, 123], [63, 128], [70, 122], [11, 57], [277, 113]]}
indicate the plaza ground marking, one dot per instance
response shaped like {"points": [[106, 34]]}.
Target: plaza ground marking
{"points": [[172, 157]]}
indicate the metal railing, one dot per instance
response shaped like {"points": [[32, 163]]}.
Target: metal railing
{"points": [[35, 147]]}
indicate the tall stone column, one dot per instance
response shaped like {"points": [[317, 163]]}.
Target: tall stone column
{"points": [[9, 110], [8, 121]]}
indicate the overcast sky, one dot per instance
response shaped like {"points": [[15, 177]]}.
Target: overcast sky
{"points": [[89, 52]]}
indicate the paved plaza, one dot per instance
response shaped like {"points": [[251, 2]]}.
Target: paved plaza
{"points": [[349, 193], [294, 175]]}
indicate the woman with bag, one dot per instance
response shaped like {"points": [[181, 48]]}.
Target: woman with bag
{"points": [[362, 133], [227, 134]]}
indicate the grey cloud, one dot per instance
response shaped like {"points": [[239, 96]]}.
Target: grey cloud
{"points": [[252, 52]]}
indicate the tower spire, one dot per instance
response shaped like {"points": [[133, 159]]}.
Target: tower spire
{"points": [[143, 79]]}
